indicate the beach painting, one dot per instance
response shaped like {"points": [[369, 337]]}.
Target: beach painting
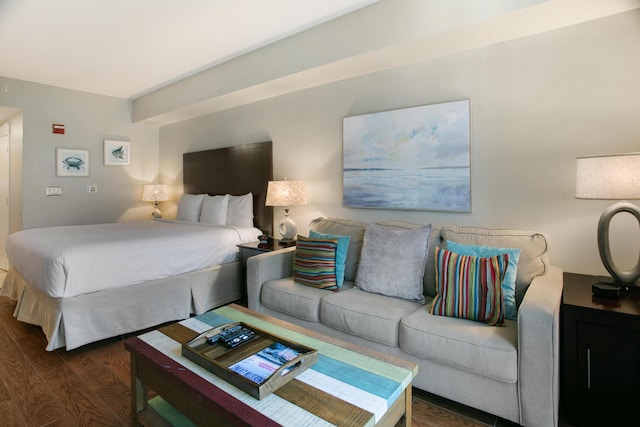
{"points": [[414, 158]]}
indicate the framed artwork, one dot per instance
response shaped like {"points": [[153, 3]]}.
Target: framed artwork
{"points": [[414, 158], [117, 153], [70, 162]]}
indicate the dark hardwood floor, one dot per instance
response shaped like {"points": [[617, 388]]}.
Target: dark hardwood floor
{"points": [[89, 386], [84, 387]]}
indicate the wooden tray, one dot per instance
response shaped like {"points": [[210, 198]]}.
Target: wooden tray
{"points": [[217, 358]]}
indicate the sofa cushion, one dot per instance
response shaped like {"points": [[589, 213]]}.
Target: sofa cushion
{"points": [[355, 230], [314, 263], [462, 344], [341, 252], [344, 227], [470, 287], [370, 316], [294, 299], [534, 257], [509, 281], [429, 280], [393, 261]]}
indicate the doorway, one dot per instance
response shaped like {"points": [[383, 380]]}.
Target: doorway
{"points": [[5, 173]]}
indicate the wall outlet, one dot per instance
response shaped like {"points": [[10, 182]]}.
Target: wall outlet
{"points": [[53, 191], [93, 189]]}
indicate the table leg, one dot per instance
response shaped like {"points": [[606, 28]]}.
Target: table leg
{"points": [[408, 405], [139, 393]]}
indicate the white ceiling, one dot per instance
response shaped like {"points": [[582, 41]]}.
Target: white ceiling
{"points": [[125, 48]]}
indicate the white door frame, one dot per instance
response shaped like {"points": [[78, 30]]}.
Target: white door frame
{"points": [[5, 199]]}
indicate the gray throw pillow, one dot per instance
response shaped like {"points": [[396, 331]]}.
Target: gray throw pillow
{"points": [[393, 261]]}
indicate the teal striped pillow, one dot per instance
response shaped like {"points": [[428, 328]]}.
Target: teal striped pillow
{"points": [[341, 252], [509, 281], [470, 287], [314, 263]]}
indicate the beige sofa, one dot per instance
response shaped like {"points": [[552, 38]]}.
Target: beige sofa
{"points": [[511, 371]]}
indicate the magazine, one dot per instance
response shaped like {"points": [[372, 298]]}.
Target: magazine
{"points": [[260, 366]]}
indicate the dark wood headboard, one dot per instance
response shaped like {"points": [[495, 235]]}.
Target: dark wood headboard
{"points": [[233, 170]]}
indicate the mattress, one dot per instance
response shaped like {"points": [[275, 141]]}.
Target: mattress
{"points": [[72, 260]]}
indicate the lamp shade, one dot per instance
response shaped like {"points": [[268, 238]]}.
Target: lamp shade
{"points": [[614, 177], [155, 193], [286, 193]]}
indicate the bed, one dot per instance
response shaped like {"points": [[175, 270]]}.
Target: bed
{"points": [[86, 283]]}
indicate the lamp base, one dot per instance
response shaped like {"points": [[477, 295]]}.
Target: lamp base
{"points": [[287, 242], [606, 290], [156, 214], [288, 229], [608, 287], [623, 277]]}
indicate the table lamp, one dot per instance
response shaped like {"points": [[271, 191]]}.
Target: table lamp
{"points": [[612, 177], [286, 193], [155, 193]]}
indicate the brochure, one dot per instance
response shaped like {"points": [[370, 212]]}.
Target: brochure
{"points": [[260, 366]]}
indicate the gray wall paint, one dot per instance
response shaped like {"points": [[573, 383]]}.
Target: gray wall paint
{"points": [[350, 45], [537, 103], [89, 119]]}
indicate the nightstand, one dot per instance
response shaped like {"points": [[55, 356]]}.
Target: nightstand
{"points": [[601, 354], [247, 250]]}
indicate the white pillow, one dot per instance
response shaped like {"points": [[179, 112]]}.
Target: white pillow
{"points": [[240, 211], [214, 210], [189, 207]]}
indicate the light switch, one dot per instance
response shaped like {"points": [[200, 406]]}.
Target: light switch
{"points": [[93, 189], [53, 191]]}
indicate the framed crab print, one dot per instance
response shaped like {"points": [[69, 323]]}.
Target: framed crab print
{"points": [[117, 153], [71, 162]]}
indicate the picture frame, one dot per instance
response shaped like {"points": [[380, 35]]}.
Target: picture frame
{"points": [[415, 158], [72, 162], [117, 153]]}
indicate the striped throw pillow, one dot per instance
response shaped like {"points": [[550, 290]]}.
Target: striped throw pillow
{"points": [[469, 287], [314, 263]]}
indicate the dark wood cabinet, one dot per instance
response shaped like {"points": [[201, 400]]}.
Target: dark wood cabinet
{"points": [[600, 355]]}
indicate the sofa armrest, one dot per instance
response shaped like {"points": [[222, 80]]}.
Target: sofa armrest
{"points": [[539, 350], [264, 267]]}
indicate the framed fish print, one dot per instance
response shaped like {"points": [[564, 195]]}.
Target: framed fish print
{"points": [[117, 153]]}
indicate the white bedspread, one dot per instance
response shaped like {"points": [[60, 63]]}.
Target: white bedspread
{"points": [[73, 260]]}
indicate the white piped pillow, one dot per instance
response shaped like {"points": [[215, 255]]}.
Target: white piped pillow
{"points": [[214, 210], [240, 211], [189, 207]]}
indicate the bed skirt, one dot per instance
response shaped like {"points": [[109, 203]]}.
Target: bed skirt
{"points": [[76, 321]]}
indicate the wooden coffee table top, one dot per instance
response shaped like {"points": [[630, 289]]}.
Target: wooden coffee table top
{"points": [[349, 385]]}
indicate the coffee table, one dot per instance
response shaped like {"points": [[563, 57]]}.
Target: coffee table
{"points": [[348, 386]]}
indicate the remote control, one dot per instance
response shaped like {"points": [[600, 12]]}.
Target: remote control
{"points": [[232, 337]]}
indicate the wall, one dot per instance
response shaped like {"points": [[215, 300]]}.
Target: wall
{"points": [[89, 119], [372, 37], [537, 103]]}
